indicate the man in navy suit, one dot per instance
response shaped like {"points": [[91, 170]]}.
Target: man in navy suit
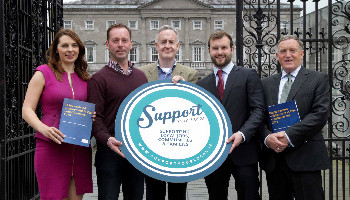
{"points": [[240, 91], [293, 159]]}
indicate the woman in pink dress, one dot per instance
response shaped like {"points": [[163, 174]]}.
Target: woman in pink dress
{"points": [[63, 171]]}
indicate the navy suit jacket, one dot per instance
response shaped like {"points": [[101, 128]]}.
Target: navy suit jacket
{"points": [[244, 102], [311, 92]]}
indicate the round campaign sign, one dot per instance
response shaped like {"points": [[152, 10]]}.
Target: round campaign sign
{"points": [[173, 132]]}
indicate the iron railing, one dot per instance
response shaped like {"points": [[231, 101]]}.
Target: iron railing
{"points": [[27, 29]]}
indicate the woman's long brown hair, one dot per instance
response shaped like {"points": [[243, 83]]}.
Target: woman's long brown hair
{"points": [[54, 61]]}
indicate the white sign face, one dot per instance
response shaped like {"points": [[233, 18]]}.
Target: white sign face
{"points": [[173, 132]]}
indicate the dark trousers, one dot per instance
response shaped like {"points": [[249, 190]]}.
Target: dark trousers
{"points": [[286, 184], [112, 171], [246, 181], [156, 189]]}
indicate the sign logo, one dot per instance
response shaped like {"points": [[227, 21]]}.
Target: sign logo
{"points": [[173, 132]]}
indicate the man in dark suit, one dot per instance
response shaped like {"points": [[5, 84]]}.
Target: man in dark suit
{"points": [[240, 91], [293, 159]]}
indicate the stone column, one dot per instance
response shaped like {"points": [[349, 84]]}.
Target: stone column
{"points": [[143, 40], [207, 32], [187, 52]]}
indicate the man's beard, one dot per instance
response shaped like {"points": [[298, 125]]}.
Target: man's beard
{"points": [[226, 62]]}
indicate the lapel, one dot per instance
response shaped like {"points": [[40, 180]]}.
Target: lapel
{"points": [[275, 88], [178, 71], [298, 82], [212, 85], [230, 83], [153, 73]]}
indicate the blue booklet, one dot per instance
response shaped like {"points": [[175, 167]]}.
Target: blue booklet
{"points": [[283, 115], [76, 121]]}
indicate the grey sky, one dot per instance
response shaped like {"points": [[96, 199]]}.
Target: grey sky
{"points": [[310, 5]]}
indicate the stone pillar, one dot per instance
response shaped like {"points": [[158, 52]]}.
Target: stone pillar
{"points": [[207, 33], [187, 31], [143, 40]]}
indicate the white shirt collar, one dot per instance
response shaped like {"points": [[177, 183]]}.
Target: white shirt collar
{"points": [[227, 69], [293, 73]]}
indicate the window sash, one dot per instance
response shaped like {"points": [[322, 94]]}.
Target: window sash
{"points": [[197, 25], [154, 25], [154, 54], [219, 25], [90, 57], [197, 54], [133, 55], [176, 24], [67, 24], [133, 24], [89, 24], [110, 23]]}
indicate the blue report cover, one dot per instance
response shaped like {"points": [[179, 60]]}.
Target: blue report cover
{"points": [[76, 121], [283, 115]]}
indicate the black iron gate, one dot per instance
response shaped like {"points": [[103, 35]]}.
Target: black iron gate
{"points": [[326, 36], [27, 28]]}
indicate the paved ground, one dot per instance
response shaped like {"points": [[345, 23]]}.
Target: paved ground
{"points": [[196, 190]]}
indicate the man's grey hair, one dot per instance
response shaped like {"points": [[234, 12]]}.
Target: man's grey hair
{"points": [[293, 37], [166, 27]]}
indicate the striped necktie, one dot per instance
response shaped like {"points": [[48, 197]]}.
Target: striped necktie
{"points": [[220, 85], [286, 89]]}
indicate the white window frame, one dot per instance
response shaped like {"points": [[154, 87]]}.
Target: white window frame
{"points": [[107, 55], [136, 54], [194, 59], [152, 53], [218, 26], [112, 22], [194, 24], [153, 28], [136, 24], [179, 55], [93, 53], [87, 25], [176, 28], [65, 25]]}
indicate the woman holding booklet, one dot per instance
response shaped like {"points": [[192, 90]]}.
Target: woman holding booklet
{"points": [[63, 171]]}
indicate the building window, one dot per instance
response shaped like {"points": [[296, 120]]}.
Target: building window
{"points": [[154, 25], [90, 54], [67, 24], [218, 25], [197, 25], [89, 25], [133, 55], [107, 55], [178, 55], [110, 23], [197, 54], [153, 54], [133, 25], [176, 24]]}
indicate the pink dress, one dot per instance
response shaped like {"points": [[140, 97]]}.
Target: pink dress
{"points": [[55, 164]]}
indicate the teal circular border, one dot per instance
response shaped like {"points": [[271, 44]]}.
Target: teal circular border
{"points": [[146, 166], [136, 113]]}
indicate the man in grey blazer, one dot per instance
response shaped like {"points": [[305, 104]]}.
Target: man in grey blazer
{"points": [[293, 159], [167, 45], [166, 67]]}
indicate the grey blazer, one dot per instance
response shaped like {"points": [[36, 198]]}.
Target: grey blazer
{"points": [[189, 74]]}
